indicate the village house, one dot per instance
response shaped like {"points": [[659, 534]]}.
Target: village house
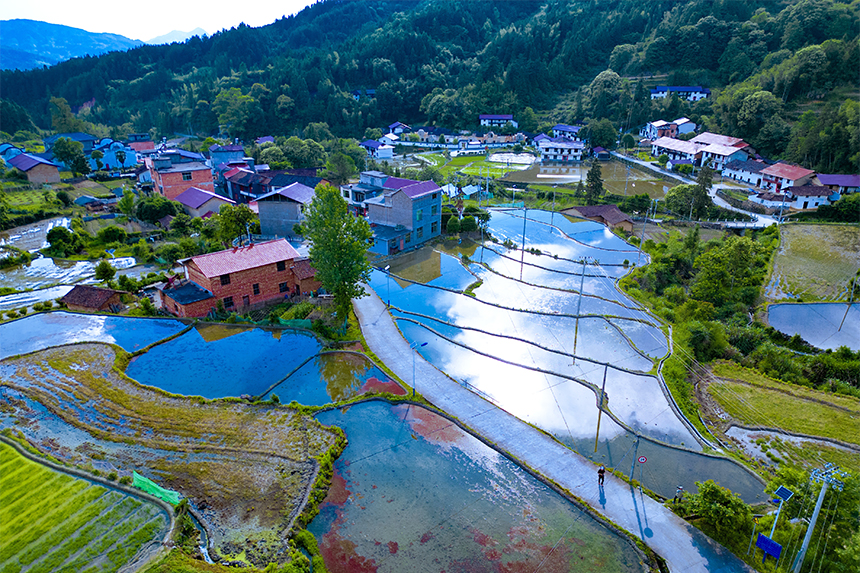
{"points": [[112, 151], [369, 185], [497, 120], [280, 210], [677, 149], [717, 156], [567, 131], [406, 214], [86, 298], [782, 175], [201, 203], [809, 197], [774, 201], [226, 155], [689, 93], [707, 138], [241, 279], [175, 170], [389, 139], [609, 215], [140, 142], [398, 127], [560, 150], [377, 150], [745, 171], [39, 171], [85, 139], [660, 128], [685, 125], [842, 184]]}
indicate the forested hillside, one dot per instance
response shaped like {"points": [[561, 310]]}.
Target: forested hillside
{"points": [[784, 73]]}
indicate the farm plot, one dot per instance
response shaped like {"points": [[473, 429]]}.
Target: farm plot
{"points": [[51, 521], [814, 262]]}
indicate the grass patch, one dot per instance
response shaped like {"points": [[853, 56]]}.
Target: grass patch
{"points": [[760, 401]]}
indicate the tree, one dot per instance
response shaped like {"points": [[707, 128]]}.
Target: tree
{"points": [[701, 193], [468, 224], [593, 184], [63, 242], [112, 234], [602, 133], [153, 208], [339, 168], [120, 157], [68, 151], [628, 141], [97, 157], [453, 226], [64, 198], [721, 508], [528, 120], [339, 243], [105, 272], [62, 118], [235, 220], [126, 204]]}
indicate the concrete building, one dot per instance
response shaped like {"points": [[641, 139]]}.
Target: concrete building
{"points": [[782, 175], [560, 150], [745, 171], [689, 93], [407, 213], [281, 209], [496, 120], [567, 131], [201, 203]]}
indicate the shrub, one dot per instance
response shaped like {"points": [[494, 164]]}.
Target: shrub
{"points": [[112, 234], [125, 480], [468, 224], [453, 226]]}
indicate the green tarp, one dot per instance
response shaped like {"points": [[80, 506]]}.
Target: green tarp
{"points": [[296, 323], [153, 488]]}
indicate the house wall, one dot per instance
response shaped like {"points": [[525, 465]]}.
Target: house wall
{"points": [[114, 299], [192, 310], [807, 202], [213, 204], [42, 173], [171, 185], [745, 176], [268, 277], [279, 217]]}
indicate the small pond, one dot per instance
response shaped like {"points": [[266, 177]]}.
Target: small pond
{"points": [[818, 323], [413, 492], [40, 331]]}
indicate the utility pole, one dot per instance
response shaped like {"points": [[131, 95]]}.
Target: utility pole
{"points": [[578, 307], [523, 255], [853, 284], [600, 407], [827, 477], [635, 451]]}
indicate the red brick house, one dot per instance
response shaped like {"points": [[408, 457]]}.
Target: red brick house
{"points": [[242, 279], [38, 170], [87, 298]]}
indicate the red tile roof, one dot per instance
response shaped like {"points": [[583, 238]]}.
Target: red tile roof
{"points": [[245, 258], [786, 171], [609, 213], [89, 296], [303, 269]]}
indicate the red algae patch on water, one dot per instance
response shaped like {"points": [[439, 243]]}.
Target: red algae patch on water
{"points": [[374, 384], [430, 426], [338, 494], [340, 555], [392, 547]]}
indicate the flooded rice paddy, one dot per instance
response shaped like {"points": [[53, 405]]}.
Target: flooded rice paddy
{"points": [[528, 343], [413, 492], [819, 323], [618, 177]]}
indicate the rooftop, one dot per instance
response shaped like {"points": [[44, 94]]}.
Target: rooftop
{"points": [[245, 258], [89, 296], [786, 171], [184, 167], [295, 192], [194, 198], [495, 116], [188, 292], [609, 213], [841, 180], [678, 145], [708, 138], [748, 166], [303, 270], [26, 162], [810, 191]]}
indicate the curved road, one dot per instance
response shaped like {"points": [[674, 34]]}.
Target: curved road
{"points": [[684, 548]]}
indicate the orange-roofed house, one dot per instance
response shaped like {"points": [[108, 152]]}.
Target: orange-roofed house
{"points": [[782, 175], [242, 279]]}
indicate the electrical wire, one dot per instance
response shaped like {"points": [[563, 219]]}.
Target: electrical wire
{"points": [[827, 540]]}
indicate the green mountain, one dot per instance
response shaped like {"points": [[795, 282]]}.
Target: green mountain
{"points": [[783, 72], [27, 44]]}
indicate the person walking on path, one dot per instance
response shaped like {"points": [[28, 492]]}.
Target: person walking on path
{"points": [[601, 471], [679, 494]]}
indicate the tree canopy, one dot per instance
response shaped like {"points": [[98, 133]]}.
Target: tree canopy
{"points": [[339, 244]]}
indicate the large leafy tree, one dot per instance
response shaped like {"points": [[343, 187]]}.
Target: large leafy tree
{"points": [[593, 184], [339, 243], [235, 220], [339, 168], [71, 153]]}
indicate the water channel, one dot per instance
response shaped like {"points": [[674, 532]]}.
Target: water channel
{"points": [[518, 343]]}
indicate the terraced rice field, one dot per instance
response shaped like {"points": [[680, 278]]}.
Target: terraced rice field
{"points": [[51, 521]]}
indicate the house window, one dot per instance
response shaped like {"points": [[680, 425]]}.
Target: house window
{"points": [[345, 194], [282, 287], [228, 302], [225, 280], [418, 214], [434, 227], [408, 239], [246, 300], [434, 210], [256, 288], [420, 233], [186, 177], [282, 265], [435, 195]]}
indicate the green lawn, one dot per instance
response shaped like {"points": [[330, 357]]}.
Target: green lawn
{"points": [[754, 399]]}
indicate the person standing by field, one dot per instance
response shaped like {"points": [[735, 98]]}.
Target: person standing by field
{"points": [[601, 472]]}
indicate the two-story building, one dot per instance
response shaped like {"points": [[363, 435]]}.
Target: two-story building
{"points": [[369, 185], [241, 279], [570, 132], [407, 213], [497, 120], [280, 210], [377, 150], [560, 150], [841, 184], [717, 156], [399, 127], [780, 175], [660, 128], [745, 171], [677, 149], [689, 93]]}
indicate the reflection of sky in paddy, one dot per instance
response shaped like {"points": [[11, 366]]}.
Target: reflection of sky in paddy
{"points": [[548, 239], [41, 331], [647, 338], [589, 232], [551, 402], [552, 273], [514, 294]]}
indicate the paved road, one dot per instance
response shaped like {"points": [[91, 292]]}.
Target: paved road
{"points": [[683, 547]]}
